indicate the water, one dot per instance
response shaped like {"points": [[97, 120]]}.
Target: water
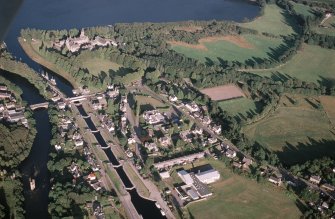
{"points": [[36, 204], [66, 14]]}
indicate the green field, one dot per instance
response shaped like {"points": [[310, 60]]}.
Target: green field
{"points": [[241, 108], [310, 64], [329, 27], [275, 21], [236, 196], [232, 52], [302, 9], [95, 65], [296, 131]]}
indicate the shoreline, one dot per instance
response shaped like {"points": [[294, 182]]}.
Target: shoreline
{"points": [[42, 61]]}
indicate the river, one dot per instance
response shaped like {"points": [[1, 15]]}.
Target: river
{"points": [[66, 14]]}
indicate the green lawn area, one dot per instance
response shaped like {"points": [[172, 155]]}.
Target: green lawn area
{"points": [[303, 9], [275, 21], [236, 196], [226, 50], [241, 108], [96, 65], [146, 100], [7, 197], [310, 64], [297, 132]]}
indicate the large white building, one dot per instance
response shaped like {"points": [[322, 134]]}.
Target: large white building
{"points": [[208, 176]]}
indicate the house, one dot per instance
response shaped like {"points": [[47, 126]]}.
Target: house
{"points": [[131, 141], [217, 129], [186, 136], [78, 142], [198, 130], [246, 162], [153, 117], [192, 107], [275, 180], [315, 179], [206, 120], [3, 87], [91, 177], [61, 105], [58, 147], [212, 140], [152, 147], [328, 187], [165, 141], [237, 164], [97, 210], [164, 174], [179, 160], [5, 95], [230, 153], [208, 176], [173, 98]]}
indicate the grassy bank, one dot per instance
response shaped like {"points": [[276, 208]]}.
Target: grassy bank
{"points": [[241, 108], [33, 54]]}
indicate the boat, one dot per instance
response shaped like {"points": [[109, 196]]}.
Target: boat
{"points": [[163, 213], [157, 205], [53, 81], [32, 184]]}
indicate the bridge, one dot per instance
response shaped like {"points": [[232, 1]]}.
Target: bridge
{"points": [[44, 105]]}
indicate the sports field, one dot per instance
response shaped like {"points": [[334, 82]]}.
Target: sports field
{"points": [[298, 130], [245, 47], [275, 21], [236, 196], [312, 64], [224, 92]]}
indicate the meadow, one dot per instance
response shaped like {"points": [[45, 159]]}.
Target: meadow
{"points": [[241, 108], [96, 65], [311, 63], [236, 196], [328, 27], [275, 21], [260, 47], [297, 131]]}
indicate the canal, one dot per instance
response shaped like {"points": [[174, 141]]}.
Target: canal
{"points": [[143, 206]]}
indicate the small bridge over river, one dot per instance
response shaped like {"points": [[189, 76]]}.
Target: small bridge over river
{"points": [[44, 105]]}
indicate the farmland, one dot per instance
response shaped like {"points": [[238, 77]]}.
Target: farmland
{"points": [[274, 21], [297, 131], [247, 47], [235, 196], [224, 92], [241, 108], [312, 64], [328, 104]]}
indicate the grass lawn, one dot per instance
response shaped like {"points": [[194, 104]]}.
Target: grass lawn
{"points": [[7, 197], [226, 50], [146, 100], [275, 21], [297, 132], [236, 196], [312, 64], [95, 66], [302, 9], [240, 108]]}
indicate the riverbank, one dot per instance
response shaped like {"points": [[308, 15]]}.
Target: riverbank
{"points": [[8, 64], [30, 51]]}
